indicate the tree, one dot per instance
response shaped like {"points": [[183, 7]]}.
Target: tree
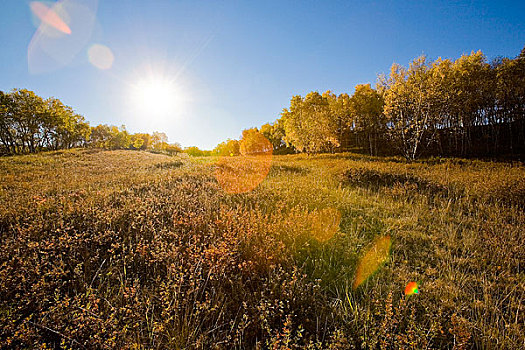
{"points": [[340, 113], [408, 106], [8, 136], [100, 136], [66, 128], [28, 117], [196, 152], [119, 138], [141, 141], [274, 133], [510, 94], [469, 94], [308, 124], [159, 141], [136, 142], [173, 148], [227, 148], [81, 132], [253, 142], [366, 109]]}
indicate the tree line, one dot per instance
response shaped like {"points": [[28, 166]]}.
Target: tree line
{"points": [[252, 142], [112, 137], [29, 124], [463, 107]]}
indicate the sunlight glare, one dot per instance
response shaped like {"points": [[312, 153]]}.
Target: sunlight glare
{"points": [[155, 96], [376, 256], [411, 288], [100, 56], [49, 16], [325, 223], [242, 174], [64, 29]]}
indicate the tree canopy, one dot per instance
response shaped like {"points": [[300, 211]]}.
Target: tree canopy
{"points": [[461, 107], [29, 123]]}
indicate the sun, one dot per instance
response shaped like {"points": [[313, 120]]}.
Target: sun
{"points": [[155, 97]]}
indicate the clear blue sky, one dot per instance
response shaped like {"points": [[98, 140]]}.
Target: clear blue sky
{"points": [[235, 64]]}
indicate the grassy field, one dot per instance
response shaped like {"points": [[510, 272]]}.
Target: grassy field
{"points": [[126, 249]]}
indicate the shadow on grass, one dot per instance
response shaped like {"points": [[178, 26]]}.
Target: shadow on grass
{"points": [[375, 180], [169, 165], [511, 195], [287, 169]]}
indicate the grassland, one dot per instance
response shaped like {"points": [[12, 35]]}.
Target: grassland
{"points": [[126, 249]]}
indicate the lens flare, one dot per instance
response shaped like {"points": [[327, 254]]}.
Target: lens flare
{"points": [[241, 174], [64, 31], [49, 17], [100, 56], [411, 288], [325, 223], [372, 260]]}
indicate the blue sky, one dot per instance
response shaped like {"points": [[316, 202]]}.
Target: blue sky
{"points": [[230, 65]]}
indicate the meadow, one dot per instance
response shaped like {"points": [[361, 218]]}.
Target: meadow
{"points": [[135, 250]]}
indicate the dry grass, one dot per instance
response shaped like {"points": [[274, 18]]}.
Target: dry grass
{"points": [[129, 249]]}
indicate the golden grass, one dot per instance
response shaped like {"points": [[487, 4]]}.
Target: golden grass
{"points": [[125, 249]]}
